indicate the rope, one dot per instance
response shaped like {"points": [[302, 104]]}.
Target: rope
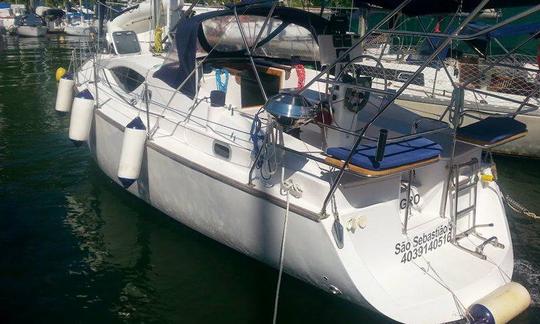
{"points": [[301, 75], [221, 84], [255, 132], [289, 188], [519, 208], [158, 43]]}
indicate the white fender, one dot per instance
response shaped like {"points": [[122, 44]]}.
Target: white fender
{"points": [[64, 94], [501, 305], [132, 152], [81, 117]]}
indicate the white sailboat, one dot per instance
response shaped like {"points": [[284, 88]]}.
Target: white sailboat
{"points": [[139, 19], [30, 25], [82, 27], [309, 171], [7, 18]]}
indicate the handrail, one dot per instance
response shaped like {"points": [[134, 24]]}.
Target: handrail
{"points": [[358, 87], [445, 43], [358, 42], [501, 97]]}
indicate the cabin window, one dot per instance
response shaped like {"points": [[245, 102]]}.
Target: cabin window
{"points": [[126, 78], [222, 150], [291, 40]]}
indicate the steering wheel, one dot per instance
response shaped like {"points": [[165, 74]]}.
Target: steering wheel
{"points": [[354, 73]]}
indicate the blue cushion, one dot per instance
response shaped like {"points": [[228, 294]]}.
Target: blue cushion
{"points": [[491, 130], [395, 154]]}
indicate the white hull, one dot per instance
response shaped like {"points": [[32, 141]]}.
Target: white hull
{"points": [[139, 20], [202, 200], [31, 31], [183, 178], [78, 30]]}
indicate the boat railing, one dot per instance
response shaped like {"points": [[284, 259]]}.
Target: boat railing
{"points": [[445, 39], [389, 96]]}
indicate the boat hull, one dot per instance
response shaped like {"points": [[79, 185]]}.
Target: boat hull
{"points": [[208, 203], [78, 30], [31, 31], [372, 266]]}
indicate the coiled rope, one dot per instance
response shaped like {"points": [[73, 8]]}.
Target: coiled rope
{"points": [[300, 74], [255, 133], [222, 79]]}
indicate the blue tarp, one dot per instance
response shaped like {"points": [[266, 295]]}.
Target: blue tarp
{"points": [[505, 31], [5, 5], [427, 49]]}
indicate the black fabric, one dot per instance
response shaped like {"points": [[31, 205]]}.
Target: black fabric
{"points": [[169, 73], [217, 98], [430, 7], [189, 32]]}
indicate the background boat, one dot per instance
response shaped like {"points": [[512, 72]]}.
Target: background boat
{"points": [[30, 25]]}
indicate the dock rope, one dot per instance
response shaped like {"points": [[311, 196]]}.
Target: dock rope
{"points": [[288, 188], [518, 208]]}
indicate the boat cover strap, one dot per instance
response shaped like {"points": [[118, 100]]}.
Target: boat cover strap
{"points": [[492, 131], [398, 157]]}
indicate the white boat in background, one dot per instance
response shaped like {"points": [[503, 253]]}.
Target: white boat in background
{"points": [[138, 19], [30, 25], [18, 9], [7, 18], [298, 162], [54, 18], [82, 26], [495, 83], [31, 31]]}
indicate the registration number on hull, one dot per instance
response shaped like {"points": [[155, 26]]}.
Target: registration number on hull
{"points": [[423, 243]]}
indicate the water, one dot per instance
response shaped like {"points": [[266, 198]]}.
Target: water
{"points": [[77, 248]]}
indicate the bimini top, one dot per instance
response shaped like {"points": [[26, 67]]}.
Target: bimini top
{"points": [[430, 7], [216, 34]]}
